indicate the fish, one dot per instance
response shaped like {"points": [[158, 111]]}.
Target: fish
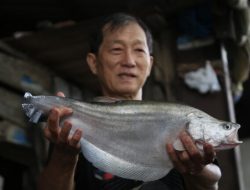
{"points": [[128, 138]]}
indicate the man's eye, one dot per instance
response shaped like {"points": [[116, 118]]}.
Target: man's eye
{"points": [[116, 49], [139, 50]]}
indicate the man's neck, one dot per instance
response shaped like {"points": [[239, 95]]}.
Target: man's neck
{"points": [[137, 96]]}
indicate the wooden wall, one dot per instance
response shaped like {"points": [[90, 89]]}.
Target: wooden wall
{"points": [[23, 149]]}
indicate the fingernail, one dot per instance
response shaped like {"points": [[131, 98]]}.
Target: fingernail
{"points": [[78, 132], [68, 124], [69, 110], [53, 113]]}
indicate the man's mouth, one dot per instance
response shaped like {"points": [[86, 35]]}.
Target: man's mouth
{"points": [[126, 75]]}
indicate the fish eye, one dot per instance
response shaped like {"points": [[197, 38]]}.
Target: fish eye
{"points": [[227, 127]]}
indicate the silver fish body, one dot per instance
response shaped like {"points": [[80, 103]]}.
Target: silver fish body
{"points": [[128, 138]]}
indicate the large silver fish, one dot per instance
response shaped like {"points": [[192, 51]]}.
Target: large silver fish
{"points": [[128, 138]]}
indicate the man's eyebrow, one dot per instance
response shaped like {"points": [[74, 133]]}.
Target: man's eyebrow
{"points": [[134, 42], [117, 42], [139, 42]]}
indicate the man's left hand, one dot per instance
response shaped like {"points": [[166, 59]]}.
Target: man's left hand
{"points": [[191, 160]]}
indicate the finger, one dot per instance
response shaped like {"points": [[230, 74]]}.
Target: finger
{"points": [[174, 158], [186, 161], [64, 111], [209, 154], [64, 134], [47, 133], [191, 167], [75, 139], [191, 148], [61, 94], [53, 123], [194, 161]]}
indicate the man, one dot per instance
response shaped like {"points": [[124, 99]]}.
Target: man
{"points": [[121, 58]]}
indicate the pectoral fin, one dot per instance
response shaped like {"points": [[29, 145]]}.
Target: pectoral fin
{"points": [[178, 145]]}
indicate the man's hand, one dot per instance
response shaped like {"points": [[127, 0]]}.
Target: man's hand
{"points": [[196, 168], [64, 143], [190, 160]]}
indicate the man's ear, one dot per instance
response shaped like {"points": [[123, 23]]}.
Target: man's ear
{"points": [[150, 66], [91, 60]]}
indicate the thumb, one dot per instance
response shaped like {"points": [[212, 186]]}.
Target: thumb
{"points": [[61, 94]]}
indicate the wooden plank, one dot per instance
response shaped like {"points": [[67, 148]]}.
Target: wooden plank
{"points": [[24, 75], [12, 133], [232, 118], [17, 153], [10, 107], [245, 155], [15, 146]]}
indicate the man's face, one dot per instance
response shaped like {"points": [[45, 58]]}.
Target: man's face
{"points": [[123, 62]]}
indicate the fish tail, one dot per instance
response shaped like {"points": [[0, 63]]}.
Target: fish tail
{"points": [[34, 114], [27, 95]]}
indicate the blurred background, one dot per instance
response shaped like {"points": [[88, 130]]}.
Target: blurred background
{"points": [[201, 53]]}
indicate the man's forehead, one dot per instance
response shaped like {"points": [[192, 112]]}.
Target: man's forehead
{"points": [[110, 28], [113, 26], [117, 30], [133, 41]]}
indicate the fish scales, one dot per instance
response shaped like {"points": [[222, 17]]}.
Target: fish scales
{"points": [[128, 138]]}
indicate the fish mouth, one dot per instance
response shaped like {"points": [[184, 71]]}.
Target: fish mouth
{"points": [[232, 141], [225, 146], [221, 146], [233, 137]]}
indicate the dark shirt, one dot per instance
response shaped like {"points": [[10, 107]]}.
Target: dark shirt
{"points": [[88, 177]]}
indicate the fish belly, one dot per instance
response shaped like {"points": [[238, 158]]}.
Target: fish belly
{"points": [[129, 146]]}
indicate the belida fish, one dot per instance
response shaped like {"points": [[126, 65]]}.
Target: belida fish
{"points": [[128, 138]]}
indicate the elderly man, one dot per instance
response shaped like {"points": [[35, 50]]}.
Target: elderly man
{"points": [[120, 57]]}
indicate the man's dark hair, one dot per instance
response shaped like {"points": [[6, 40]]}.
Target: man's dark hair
{"points": [[114, 22]]}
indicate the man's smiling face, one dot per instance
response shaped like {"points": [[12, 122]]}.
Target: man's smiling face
{"points": [[123, 62]]}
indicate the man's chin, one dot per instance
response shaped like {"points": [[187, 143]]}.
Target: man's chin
{"points": [[128, 91]]}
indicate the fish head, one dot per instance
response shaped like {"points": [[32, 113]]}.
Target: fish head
{"points": [[220, 134], [224, 137]]}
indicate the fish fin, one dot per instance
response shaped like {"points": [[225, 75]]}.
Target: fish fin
{"points": [[105, 99], [199, 145], [27, 95], [28, 109], [121, 167], [36, 117], [178, 145]]}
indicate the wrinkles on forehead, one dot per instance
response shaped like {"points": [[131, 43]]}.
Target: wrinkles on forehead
{"points": [[135, 42], [113, 30]]}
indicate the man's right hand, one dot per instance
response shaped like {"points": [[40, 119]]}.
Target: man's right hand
{"points": [[64, 144]]}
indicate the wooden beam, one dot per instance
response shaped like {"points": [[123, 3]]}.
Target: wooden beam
{"points": [[24, 75], [11, 108]]}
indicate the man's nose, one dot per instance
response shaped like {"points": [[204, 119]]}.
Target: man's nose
{"points": [[128, 60]]}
